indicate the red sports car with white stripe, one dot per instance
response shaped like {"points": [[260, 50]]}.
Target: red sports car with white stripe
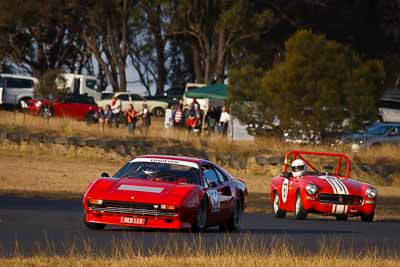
{"points": [[166, 192], [329, 192]]}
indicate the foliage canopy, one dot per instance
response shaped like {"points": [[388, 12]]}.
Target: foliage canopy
{"points": [[318, 84]]}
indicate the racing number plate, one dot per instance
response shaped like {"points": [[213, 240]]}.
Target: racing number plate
{"points": [[130, 220]]}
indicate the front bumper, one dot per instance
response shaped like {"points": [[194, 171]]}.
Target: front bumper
{"points": [[160, 222], [313, 205]]}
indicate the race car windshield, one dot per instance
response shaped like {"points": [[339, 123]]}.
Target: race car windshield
{"points": [[165, 172]]}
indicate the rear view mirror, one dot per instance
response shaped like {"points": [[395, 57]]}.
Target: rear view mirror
{"points": [[104, 174]]}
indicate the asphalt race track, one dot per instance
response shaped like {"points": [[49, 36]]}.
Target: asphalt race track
{"points": [[40, 223]]}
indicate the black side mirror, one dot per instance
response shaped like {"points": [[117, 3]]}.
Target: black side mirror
{"points": [[104, 174], [212, 184], [286, 175]]}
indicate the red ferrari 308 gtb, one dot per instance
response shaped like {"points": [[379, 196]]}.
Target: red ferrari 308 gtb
{"points": [[166, 192], [331, 192]]}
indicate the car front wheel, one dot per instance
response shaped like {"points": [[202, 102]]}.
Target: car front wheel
{"points": [[94, 226], [201, 216], [300, 212], [367, 217], [279, 213], [158, 112]]}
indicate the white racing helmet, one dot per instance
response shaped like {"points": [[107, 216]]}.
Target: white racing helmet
{"points": [[298, 167]]}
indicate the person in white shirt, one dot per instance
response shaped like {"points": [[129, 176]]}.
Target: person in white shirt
{"points": [[223, 121], [116, 108]]}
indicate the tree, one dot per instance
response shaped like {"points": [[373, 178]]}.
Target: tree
{"points": [[318, 83], [147, 48], [105, 30], [213, 28]]}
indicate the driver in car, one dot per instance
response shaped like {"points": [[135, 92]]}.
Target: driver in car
{"points": [[298, 168]]}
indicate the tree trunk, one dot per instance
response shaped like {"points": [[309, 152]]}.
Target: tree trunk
{"points": [[220, 65], [196, 63]]}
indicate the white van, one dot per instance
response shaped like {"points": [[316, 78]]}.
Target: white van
{"points": [[80, 84], [16, 88], [389, 106]]}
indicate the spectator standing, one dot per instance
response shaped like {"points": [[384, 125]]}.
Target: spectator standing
{"points": [[116, 108], [212, 118], [195, 104], [146, 117], [178, 113], [193, 122], [130, 115], [223, 121]]}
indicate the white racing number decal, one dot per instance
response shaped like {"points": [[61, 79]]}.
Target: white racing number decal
{"points": [[285, 189], [214, 199]]}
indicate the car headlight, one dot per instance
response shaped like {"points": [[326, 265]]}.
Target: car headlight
{"points": [[38, 103], [311, 189], [95, 201], [371, 192]]}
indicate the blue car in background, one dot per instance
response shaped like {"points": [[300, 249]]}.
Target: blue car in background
{"points": [[376, 134]]}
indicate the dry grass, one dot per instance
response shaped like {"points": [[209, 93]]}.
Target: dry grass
{"points": [[230, 253], [225, 260]]}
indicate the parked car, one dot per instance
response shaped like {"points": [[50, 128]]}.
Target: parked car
{"points": [[377, 134], [16, 89], [171, 96], [166, 192], [80, 107], [157, 108], [327, 191]]}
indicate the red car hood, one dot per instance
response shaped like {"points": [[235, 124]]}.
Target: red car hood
{"points": [[139, 190], [336, 185]]}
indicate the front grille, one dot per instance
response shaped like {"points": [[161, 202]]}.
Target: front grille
{"points": [[132, 208], [340, 199]]}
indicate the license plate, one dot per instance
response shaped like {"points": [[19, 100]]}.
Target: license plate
{"points": [[130, 220]]}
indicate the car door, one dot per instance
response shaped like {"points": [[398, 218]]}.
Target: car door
{"points": [[393, 136], [218, 195], [125, 101], [287, 192], [16, 88], [137, 101], [67, 107]]}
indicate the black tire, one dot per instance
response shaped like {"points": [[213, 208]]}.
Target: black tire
{"points": [[94, 226], [368, 217], [233, 224], [299, 211], [46, 112], [201, 216], [278, 213], [90, 118], [158, 112], [342, 217]]}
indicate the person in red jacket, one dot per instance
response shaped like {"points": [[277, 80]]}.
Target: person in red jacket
{"points": [[130, 115]]}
